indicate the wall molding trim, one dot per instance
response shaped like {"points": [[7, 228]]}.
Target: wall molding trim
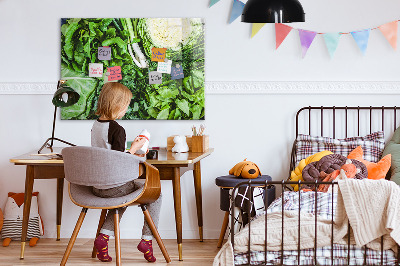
{"points": [[248, 87]]}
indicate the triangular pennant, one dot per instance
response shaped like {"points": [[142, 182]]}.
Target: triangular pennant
{"points": [[332, 41], [255, 28], [281, 31], [237, 8], [213, 2], [361, 37], [389, 30], [306, 39]]}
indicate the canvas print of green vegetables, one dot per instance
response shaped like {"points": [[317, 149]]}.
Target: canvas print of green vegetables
{"points": [[180, 94]]}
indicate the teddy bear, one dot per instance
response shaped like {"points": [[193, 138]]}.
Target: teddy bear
{"points": [[13, 215], [245, 169], [180, 144]]}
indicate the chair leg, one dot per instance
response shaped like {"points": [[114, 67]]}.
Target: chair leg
{"points": [[154, 230], [73, 237], [223, 229], [101, 222], [117, 239]]}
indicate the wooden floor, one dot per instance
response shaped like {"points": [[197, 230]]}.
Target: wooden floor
{"points": [[50, 252]]}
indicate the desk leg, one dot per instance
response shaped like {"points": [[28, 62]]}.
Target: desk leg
{"points": [[176, 182], [199, 204], [27, 206], [60, 190]]}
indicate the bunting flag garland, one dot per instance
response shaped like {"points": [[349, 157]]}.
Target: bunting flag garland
{"points": [[281, 31], [389, 30], [306, 39], [237, 8], [255, 28], [361, 37], [213, 2], [332, 41]]}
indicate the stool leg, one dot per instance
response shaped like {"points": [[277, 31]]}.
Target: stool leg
{"points": [[223, 229]]}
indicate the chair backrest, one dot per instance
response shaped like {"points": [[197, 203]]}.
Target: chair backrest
{"points": [[92, 166]]}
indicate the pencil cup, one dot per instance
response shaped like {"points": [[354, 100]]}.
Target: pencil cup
{"points": [[200, 143]]}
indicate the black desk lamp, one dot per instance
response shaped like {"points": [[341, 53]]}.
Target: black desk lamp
{"points": [[272, 11], [64, 96]]}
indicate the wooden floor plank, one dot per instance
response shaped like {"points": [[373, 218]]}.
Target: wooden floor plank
{"points": [[49, 252]]}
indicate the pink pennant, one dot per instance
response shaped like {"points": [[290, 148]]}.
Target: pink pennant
{"points": [[389, 30], [306, 39], [281, 31]]}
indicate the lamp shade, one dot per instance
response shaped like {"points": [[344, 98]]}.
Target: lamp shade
{"points": [[65, 96], [273, 11]]}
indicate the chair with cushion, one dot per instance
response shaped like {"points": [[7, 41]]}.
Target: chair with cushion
{"points": [[85, 167]]}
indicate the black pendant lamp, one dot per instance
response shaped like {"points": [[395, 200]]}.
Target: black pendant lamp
{"points": [[273, 11]]}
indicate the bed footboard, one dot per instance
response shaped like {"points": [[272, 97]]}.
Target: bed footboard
{"points": [[309, 256]]}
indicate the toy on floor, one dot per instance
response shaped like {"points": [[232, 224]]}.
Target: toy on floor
{"points": [[245, 169], [13, 215]]}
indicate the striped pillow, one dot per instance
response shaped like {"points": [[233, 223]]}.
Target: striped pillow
{"points": [[372, 145]]}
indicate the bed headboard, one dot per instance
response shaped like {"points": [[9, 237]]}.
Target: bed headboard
{"points": [[344, 121]]}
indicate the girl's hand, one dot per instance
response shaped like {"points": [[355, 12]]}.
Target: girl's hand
{"points": [[137, 144], [142, 155]]}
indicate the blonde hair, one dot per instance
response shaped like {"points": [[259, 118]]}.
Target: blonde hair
{"points": [[113, 97]]}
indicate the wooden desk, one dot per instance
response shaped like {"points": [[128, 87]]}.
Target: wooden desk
{"points": [[168, 164], [40, 167]]}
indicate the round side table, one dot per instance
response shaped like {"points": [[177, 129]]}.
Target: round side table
{"points": [[228, 182]]}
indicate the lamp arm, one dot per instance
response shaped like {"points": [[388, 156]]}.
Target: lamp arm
{"points": [[54, 126], [46, 143]]}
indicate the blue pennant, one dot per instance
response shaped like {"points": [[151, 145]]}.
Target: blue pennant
{"points": [[361, 38], [237, 8]]}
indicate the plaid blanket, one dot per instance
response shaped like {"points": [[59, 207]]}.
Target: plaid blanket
{"points": [[324, 257], [323, 205]]}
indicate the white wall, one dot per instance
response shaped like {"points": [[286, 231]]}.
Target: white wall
{"points": [[258, 126]]}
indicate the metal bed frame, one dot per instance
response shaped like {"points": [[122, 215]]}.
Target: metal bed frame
{"points": [[284, 184]]}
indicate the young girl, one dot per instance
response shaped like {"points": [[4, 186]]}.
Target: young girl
{"points": [[113, 103]]}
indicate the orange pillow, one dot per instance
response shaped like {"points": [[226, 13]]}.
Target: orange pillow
{"points": [[375, 170]]}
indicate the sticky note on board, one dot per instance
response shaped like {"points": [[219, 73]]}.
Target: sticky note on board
{"points": [[115, 73], [96, 70], [158, 54], [155, 77], [164, 67], [104, 53], [177, 72]]}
